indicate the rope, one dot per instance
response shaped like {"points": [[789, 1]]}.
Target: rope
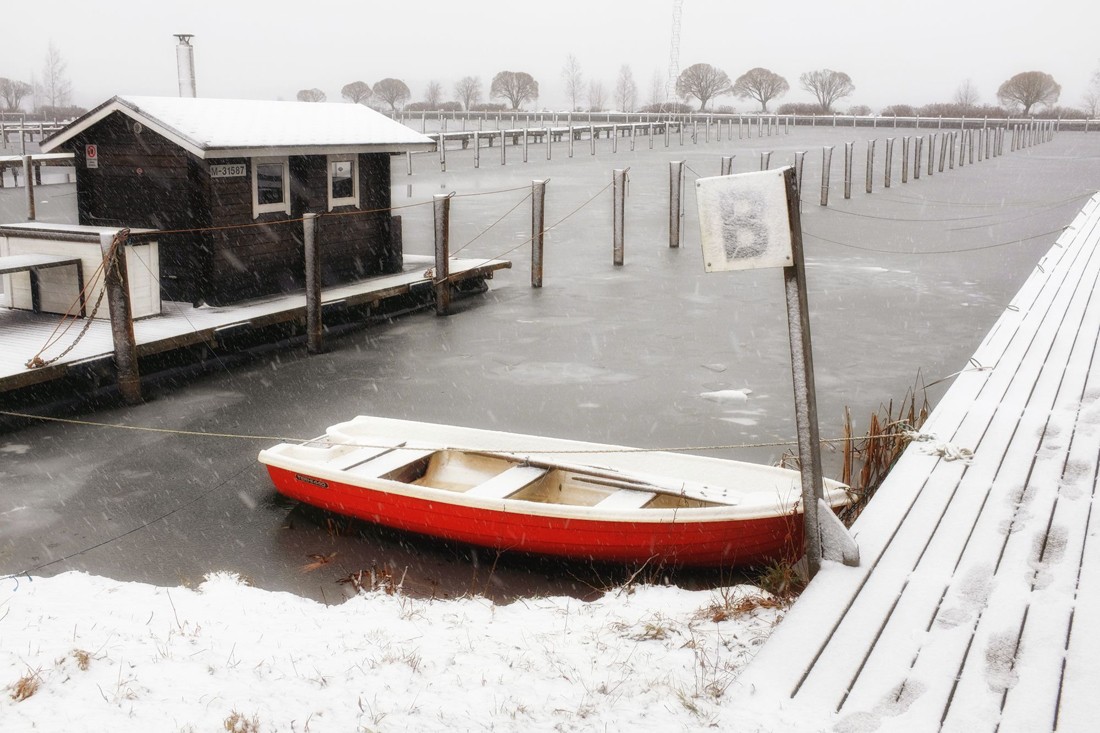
{"points": [[937, 251], [111, 260], [284, 439], [486, 229]]}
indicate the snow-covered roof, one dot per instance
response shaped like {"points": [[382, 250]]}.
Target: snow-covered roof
{"points": [[222, 128]]}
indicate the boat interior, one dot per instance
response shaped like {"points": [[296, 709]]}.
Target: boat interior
{"points": [[488, 476]]}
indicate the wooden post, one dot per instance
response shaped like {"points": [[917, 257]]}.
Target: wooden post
{"points": [[526, 134], [113, 248], [805, 393], [848, 169], [549, 142], [538, 218], [503, 148], [408, 163], [477, 148], [799, 159], [765, 160], [870, 165], [826, 166], [970, 148], [442, 207], [905, 159], [314, 328], [943, 149], [28, 183], [726, 165], [442, 152], [618, 219], [931, 151], [675, 201], [951, 153], [633, 135], [591, 137], [918, 149], [615, 137], [571, 136], [889, 172]]}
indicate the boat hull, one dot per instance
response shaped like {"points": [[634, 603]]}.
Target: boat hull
{"points": [[696, 543]]}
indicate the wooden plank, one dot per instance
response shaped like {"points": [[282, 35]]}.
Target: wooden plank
{"points": [[509, 482], [626, 499], [390, 460], [941, 582], [917, 487]]}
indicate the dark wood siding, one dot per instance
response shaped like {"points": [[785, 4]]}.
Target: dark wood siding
{"points": [[145, 180]]}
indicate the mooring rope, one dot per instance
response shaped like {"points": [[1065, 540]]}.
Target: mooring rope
{"points": [[961, 250]]}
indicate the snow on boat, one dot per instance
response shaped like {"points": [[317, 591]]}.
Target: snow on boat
{"points": [[507, 491]]}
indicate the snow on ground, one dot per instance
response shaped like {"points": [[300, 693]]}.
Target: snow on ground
{"points": [[81, 652]]}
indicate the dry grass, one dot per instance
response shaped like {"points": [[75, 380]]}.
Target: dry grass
{"points": [[868, 460], [26, 685], [237, 723]]}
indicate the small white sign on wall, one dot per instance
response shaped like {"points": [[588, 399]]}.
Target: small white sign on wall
{"points": [[228, 170], [743, 221]]}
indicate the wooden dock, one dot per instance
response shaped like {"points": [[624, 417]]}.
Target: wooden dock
{"points": [[181, 326], [976, 602]]}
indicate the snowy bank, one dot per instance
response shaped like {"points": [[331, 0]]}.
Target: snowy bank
{"points": [[80, 652]]}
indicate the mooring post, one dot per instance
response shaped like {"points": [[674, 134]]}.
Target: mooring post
{"points": [[931, 151], [765, 160], [943, 149], [408, 163], [526, 135], [675, 201], [442, 152], [477, 149], [442, 280], [314, 329], [870, 165], [633, 135], [538, 217], [503, 146], [826, 167], [889, 167], [549, 142], [571, 133], [112, 245], [28, 183], [848, 169], [726, 165], [591, 137], [799, 159], [970, 148], [918, 157], [805, 393], [905, 159], [618, 219]]}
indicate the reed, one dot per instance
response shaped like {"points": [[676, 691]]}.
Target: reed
{"points": [[868, 459]]}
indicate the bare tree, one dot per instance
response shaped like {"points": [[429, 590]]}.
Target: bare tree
{"points": [[468, 91], [597, 96], [1028, 89], [704, 82], [626, 91], [357, 92], [760, 84], [433, 95], [657, 88], [311, 95], [56, 88], [12, 92], [827, 86], [967, 94], [1092, 96], [574, 81], [393, 92], [515, 86]]}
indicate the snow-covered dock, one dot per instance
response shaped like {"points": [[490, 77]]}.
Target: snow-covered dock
{"points": [[975, 605], [180, 326]]}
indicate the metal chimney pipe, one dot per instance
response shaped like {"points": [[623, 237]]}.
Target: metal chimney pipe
{"points": [[185, 64]]}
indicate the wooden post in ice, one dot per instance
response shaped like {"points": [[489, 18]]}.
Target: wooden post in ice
{"points": [[918, 143], [889, 172], [905, 159], [675, 201], [477, 148], [314, 328], [112, 245], [618, 218], [571, 138], [799, 159], [442, 152], [870, 165], [826, 168], [931, 150], [526, 135], [848, 169], [408, 163], [442, 271], [549, 141], [765, 160], [538, 218], [28, 183], [726, 165]]}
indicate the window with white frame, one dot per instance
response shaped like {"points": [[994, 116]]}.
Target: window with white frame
{"points": [[343, 181], [270, 185]]}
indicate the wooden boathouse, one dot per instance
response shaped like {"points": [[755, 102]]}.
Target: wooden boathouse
{"points": [[223, 180]]}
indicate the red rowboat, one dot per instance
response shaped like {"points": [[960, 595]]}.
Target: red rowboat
{"points": [[548, 496]]}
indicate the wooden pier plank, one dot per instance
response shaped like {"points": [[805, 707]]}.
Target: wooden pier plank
{"points": [[852, 639]]}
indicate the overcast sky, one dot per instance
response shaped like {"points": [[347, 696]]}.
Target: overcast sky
{"points": [[895, 52]]}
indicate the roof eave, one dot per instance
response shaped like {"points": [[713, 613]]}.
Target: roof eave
{"points": [[117, 104], [288, 150]]}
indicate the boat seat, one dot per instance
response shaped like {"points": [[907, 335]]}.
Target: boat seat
{"points": [[358, 456], [390, 460], [507, 483], [626, 499]]}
